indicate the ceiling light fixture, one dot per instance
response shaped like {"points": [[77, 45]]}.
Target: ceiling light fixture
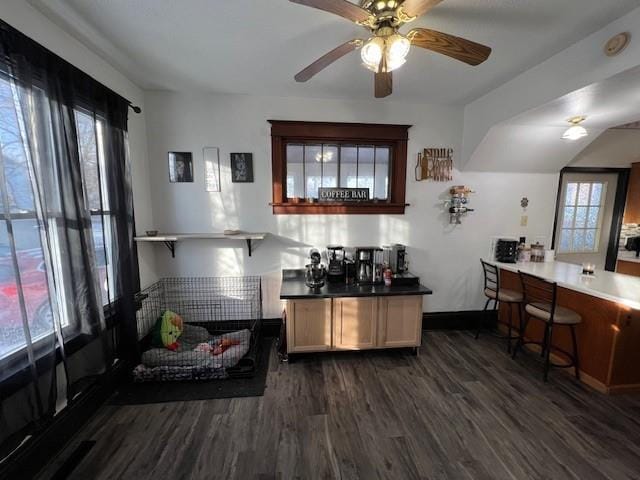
{"points": [[576, 131], [394, 47]]}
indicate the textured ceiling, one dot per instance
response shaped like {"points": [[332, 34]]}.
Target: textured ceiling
{"points": [[256, 46]]}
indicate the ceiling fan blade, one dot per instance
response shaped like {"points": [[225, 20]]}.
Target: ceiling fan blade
{"points": [[383, 84], [327, 59], [343, 8], [415, 8], [461, 49]]}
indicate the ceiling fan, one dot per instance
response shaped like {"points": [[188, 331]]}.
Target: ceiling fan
{"points": [[387, 48]]}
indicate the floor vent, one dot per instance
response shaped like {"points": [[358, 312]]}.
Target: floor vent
{"points": [[74, 460]]}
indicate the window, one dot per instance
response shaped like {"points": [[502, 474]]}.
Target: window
{"points": [[24, 264], [310, 166], [310, 155], [582, 217]]}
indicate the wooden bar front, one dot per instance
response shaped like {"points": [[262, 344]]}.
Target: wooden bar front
{"points": [[608, 337]]}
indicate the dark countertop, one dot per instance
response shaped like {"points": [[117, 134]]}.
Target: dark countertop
{"points": [[293, 287]]}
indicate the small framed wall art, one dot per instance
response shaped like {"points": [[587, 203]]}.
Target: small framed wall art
{"points": [[180, 167], [211, 156], [242, 167]]}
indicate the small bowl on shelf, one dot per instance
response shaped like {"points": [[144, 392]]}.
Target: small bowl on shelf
{"points": [[151, 233]]}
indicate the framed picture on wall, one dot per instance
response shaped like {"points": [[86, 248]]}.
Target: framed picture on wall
{"points": [[211, 156], [242, 167], [180, 167]]}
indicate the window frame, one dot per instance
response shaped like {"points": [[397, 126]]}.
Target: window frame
{"points": [[71, 333], [363, 134]]}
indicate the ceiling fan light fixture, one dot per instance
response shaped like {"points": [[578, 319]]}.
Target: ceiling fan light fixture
{"points": [[372, 52], [397, 49], [576, 131]]}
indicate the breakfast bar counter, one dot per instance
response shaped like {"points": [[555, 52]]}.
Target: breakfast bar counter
{"points": [[339, 316], [609, 335]]}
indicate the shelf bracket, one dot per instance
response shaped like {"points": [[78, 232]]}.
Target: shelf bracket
{"points": [[171, 245], [249, 245]]}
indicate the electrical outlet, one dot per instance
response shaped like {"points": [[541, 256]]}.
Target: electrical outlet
{"points": [[524, 219]]}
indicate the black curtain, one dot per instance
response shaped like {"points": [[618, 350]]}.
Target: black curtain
{"points": [[52, 353]]}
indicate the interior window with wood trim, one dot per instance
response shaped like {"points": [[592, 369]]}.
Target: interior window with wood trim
{"points": [[309, 155]]}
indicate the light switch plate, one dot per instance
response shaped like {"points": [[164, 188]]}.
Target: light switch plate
{"points": [[524, 219]]}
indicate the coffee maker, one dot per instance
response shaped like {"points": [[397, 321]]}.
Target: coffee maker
{"points": [[396, 256], [336, 267], [365, 264], [316, 272]]}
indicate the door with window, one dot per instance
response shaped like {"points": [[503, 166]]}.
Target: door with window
{"points": [[585, 214]]}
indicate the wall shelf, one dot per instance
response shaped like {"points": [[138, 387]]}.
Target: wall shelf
{"points": [[170, 239]]}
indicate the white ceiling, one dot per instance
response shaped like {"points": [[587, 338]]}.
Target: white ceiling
{"points": [[531, 142], [256, 46]]}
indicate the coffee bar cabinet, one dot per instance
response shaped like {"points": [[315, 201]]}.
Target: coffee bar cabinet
{"points": [[309, 325], [350, 317]]}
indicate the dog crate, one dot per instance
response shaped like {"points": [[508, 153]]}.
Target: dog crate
{"points": [[199, 328]]}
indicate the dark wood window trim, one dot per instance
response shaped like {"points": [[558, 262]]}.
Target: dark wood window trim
{"points": [[283, 132]]}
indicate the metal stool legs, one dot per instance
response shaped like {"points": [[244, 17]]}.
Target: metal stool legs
{"points": [[484, 316], [576, 356]]}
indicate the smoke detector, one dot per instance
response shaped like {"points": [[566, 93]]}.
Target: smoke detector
{"points": [[617, 44]]}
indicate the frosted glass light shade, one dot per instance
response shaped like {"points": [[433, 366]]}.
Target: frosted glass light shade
{"points": [[371, 53], [575, 133]]}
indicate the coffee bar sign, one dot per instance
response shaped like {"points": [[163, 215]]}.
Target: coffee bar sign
{"points": [[338, 194]]}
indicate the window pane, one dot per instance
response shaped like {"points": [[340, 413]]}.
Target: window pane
{"points": [[565, 240], [596, 194], [89, 158], [101, 257], [592, 218], [570, 198], [330, 166], [381, 181], [583, 194], [567, 219], [578, 240], [366, 159], [295, 178], [590, 240], [313, 169], [35, 290], [348, 167], [13, 154], [581, 217], [11, 331]]}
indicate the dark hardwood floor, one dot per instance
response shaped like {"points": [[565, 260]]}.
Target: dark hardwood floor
{"points": [[461, 410]]}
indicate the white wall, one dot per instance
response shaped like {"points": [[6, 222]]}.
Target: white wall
{"points": [[32, 23], [445, 257], [617, 148]]}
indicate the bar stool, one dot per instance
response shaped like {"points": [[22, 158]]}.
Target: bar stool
{"points": [[540, 303], [493, 292]]}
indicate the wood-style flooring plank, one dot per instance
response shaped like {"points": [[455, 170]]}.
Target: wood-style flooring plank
{"points": [[462, 409]]}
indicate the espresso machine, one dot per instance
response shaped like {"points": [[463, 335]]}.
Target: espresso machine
{"points": [[316, 272], [367, 270], [336, 264]]}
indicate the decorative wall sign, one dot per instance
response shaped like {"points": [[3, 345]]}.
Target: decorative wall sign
{"points": [[211, 156], [435, 164], [180, 167], [242, 167], [339, 194]]}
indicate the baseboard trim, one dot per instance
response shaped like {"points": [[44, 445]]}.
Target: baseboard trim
{"points": [[461, 320], [36, 453]]}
